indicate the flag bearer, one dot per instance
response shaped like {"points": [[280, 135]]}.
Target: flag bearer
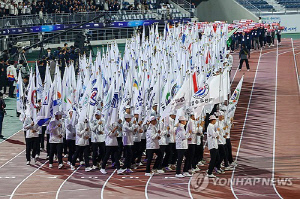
{"points": [[212, 142], [192, 141], [70, 123]]}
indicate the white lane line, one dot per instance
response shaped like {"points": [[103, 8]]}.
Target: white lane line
{"points": [[62, 184], [12, 159], [146, 187], [274, 136], [10, 136], [296, 68], [189, 188], [103, 187], [12, 195], [245, 120]]}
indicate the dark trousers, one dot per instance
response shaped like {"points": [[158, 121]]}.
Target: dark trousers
{"points": [[241, 63], [223, 156], [42, 137], [111, 151], [1, 121], [169, 154], [120, 146], [48, 145], [214, 158], [79, 150], [229, 150], [56, 147], [32, 144], [65, 148], [3, 84], [137, 152], [98, 152], [190, 155], [143, 145], [149, 153], [198, 155], [180, 154], [162, 150], [71, 148], [128, 156], [11, 88]]}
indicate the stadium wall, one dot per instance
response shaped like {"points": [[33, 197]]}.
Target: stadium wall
{"points": [[223, 10], [290, 22]]}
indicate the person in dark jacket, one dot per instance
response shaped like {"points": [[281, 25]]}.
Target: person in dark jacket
{"points": [[244, 55], [2, 112]]}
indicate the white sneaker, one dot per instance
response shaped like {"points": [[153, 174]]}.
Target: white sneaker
{"points": [[65, 156], [72, 167], [37, 156], [68, 163], [234, 164], [28, 163], [186, 174], [50, 165], [95, 167], [197, 169], [179, 176], [148, 174], [160, 171], [219, 171], [87, 169], [200, 164], [211, 176], [34, 160], [239, 69], [120, 171], [81, 162], [103, 171], [140, 164], [154, 171], [60, 166], [228, 168], [248, 70]]}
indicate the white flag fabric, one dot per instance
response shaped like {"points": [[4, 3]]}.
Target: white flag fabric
{"points": [[234, 99]]}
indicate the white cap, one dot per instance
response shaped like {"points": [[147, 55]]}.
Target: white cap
{"points": [[155, 104], [58, 113], [173, 113], [219, 113], [212, 117], [70, 110], [128, 116], [98, 112], [126, 107], [182, 118], [152, 118]]}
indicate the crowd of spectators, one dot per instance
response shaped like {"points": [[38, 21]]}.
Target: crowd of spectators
{"points": [[41, 7]]}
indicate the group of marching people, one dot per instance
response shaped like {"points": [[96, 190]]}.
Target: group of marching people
{"points": [[172, 140]]}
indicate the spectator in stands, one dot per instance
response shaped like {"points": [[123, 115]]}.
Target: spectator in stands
{"points": [[49, 55], [42, 69]]}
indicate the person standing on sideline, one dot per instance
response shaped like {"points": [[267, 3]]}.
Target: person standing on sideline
{"points": [[2, 112], [32, 138], [212, 143], [11, 78], [56, 131], [129, 130], [181, 147], [98, 140], [152, 146], [244, 55], [83, 134], [70, 123]]}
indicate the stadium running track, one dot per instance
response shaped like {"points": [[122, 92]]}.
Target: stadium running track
{"points": [[265, 141]]}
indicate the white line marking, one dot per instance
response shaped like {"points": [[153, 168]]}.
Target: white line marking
{"points": [[62, 184], [238, 150], [296, 68], [146, 187], [12, 159], [274, 136], [189, 188], [103, 187], [11, 196], [10, 136]]}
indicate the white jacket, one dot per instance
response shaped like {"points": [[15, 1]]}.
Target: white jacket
{"points": [[29, 129], [212, 135], [163, 134], [110, 137], [192, 126], [220, 125], [56, 133], [128, 132], [71, 128], [81, 134], [152, 141], [171, 132], [97, 131], [200, 130], [181, 137]]}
